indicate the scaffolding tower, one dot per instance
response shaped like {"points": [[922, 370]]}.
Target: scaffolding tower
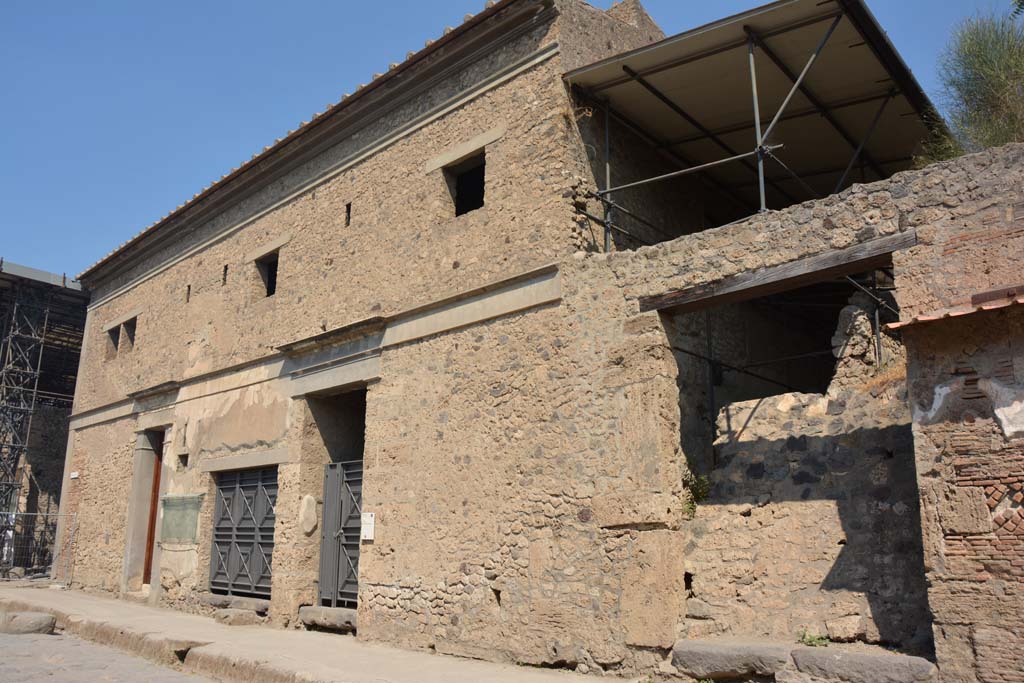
{"points": [[42, 318]]}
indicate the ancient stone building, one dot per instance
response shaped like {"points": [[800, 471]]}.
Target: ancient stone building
{"points": [[446, 367]]}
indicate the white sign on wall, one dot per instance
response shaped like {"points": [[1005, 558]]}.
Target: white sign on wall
{"points": [[366, 528]]}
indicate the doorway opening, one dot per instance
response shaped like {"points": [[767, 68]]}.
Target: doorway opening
{"points": [[340, 426], [155, 441]]}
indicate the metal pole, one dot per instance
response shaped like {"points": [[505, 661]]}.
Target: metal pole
{"points": [[800, 78], [863, 142], [878, 321], [638, 218], [712, 414], [685, 171], [728, 149], [675, 157], [608, 209], [757, 123], [826, 112], [793, 174]]}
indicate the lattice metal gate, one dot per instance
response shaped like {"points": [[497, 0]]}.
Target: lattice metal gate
{"points": [[243, 532], [339, 544]]}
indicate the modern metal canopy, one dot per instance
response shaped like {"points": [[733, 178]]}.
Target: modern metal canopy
{"points": [[784, 103]]}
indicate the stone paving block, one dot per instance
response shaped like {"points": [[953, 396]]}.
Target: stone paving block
{"points": [[728, 658], [863, 667], [26, 622], [232, 616], [337, 618]]}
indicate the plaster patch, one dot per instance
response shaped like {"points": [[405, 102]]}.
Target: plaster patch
{"points": [[942, 391], [1007, 404]]}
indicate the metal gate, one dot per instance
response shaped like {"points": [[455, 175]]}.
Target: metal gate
{"points": [[339, 541], [243, 532]]}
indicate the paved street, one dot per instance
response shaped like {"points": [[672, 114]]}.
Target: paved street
{"points": [[66, 659]]}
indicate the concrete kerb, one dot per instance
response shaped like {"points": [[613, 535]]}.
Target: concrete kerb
{"points": [[246, 653]]}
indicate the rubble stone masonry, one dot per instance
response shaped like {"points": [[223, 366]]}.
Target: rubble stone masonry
{"points": [[522, 452]]}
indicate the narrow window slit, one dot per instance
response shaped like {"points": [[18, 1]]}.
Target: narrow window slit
{"points": [[267, 267]]}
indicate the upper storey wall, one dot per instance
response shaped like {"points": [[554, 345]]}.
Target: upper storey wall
{"points": [[200, 302], [403, 246]]}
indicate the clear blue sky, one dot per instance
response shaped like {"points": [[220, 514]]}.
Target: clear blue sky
{"points": [[113, 112]]}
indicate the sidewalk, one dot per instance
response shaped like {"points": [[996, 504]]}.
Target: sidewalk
{"points": [[256, 653]]}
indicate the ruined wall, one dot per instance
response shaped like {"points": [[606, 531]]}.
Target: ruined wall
{"points": [[965, 377], [740, 334], [668, 208], [969, 211], [811, 519]]}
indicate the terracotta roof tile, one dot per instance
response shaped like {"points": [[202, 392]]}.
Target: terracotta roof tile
{"points": [[956, 312]]}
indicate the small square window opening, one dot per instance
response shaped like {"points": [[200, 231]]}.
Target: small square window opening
{"points": [[113, 340], [466, 181], [128, 332], [267, 267]]}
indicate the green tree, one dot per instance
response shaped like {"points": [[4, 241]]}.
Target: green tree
{"points": [[982, 74]]}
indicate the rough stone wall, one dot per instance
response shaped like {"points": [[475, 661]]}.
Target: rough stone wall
{"points": [[966, 383], [404, 246], [534, 455], [811, 520], [969, 215], [668, 208], [45, 458], [740, 334], [590, 34], [99, 498]]}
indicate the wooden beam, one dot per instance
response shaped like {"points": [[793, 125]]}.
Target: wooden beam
{"points": [[774, 279]]}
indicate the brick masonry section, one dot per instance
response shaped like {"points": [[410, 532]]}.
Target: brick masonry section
{"points": [[966, 383]]}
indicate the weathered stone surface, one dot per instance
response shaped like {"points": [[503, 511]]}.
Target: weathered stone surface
{"points": [[308, 515], [725, 658], [846, 629], [965, 512], [26, 622], [788, 536], [857, 667], [336, 618], [232, 616], [235, 602]]}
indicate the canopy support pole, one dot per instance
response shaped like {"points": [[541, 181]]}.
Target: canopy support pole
{"points": [[864, 141], [825, 112], [609, 209], [664, 99], [757, 123], [800, 79]]}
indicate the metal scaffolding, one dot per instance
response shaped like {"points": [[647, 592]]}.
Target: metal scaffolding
{"points": [[42, 318], [643, 92]]}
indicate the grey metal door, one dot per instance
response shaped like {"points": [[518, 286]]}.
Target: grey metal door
{"points": [[243, 532], [339, 540]]}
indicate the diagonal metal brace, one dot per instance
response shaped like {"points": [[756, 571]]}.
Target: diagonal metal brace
{"points": [[825, 112], [668, 102]]}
